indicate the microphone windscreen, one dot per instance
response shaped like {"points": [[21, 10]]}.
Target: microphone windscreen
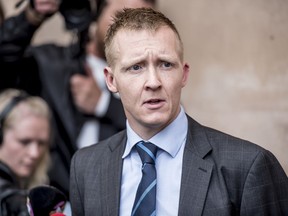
{"points": [[46, 199]]}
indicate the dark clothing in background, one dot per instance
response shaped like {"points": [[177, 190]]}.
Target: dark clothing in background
{"points": [[12, 198], [45, 71]]}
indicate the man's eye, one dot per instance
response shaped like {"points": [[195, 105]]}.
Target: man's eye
{"points": [[135, 67], [166, 64]]}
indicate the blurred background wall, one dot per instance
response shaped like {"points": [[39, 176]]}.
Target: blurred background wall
{"points": [[238, 56]]}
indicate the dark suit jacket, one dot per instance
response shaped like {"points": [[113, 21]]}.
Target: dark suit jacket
{"points": [[45, 71], [222, 175]]}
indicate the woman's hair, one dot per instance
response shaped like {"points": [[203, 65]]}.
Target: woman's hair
{"points": [[137, 19], [33, 105]]}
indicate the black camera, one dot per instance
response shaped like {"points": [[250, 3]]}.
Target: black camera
{"points": [[77, 14]]}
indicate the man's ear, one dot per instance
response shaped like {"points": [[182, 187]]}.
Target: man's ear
{"points": [[186, 72], [110, 81]]}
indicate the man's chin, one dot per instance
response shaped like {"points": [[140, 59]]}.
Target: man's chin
{"points": [[156, 123]]}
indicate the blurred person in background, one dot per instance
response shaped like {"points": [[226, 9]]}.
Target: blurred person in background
{"points": [[69, 78], [24, 148]]}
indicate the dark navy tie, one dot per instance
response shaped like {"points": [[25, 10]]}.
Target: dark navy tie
{"points": [[145, 200]]}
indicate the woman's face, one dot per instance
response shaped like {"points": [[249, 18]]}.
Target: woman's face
{"points": [[24, 144]]}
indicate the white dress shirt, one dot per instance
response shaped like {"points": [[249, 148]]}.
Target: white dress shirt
{"points": [[171, 141]]}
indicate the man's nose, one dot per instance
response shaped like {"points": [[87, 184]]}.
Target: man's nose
{"points": [[153, 80]]}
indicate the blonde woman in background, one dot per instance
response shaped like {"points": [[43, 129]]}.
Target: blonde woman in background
{"points": [[24, 148]]}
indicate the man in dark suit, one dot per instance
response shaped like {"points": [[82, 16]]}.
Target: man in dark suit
{"points": [[191, 169]]}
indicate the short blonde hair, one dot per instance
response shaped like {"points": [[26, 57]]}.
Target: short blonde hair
{"points": [[137, 19], [36, 106]]}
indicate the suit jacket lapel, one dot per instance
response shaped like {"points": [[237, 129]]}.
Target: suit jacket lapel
{"points": [[112, 171], [196, 172]]}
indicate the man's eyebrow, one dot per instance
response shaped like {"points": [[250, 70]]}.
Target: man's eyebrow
{"points": [[133, 60]]}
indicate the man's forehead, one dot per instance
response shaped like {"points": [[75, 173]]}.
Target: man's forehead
{"points": [[151, 38], [163, 41]]}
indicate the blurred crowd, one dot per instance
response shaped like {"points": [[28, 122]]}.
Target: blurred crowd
{"points": [[54, 99]]}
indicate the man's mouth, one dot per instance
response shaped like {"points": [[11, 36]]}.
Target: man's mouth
{"points": [[154, 101]]}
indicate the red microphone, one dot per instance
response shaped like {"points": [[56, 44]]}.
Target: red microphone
{"points": [[58, 214]]}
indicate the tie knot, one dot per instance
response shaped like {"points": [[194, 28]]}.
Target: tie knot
{"points": [[147, 152]]}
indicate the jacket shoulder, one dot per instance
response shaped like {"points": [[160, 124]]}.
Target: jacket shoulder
{"points": [[222, 140], [103, 147]]}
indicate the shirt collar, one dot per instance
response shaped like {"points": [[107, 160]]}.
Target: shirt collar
{"points": [[170, 139]]}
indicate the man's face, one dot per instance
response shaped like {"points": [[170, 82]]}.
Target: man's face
{"points": [[106, 17], [148, 74]]}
